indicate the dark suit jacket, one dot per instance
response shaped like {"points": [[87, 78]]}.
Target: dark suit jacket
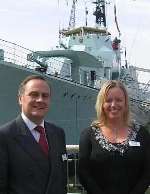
{"points": [[24, 169]]}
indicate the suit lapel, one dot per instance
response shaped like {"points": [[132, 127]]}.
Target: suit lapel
{"points": [[30, 146], [50, 133]]}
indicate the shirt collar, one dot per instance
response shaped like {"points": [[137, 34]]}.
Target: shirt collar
{"points": [[31, 125]]}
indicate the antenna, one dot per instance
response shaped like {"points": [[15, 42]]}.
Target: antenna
{"points": [[86, 13], [72, 21], [116, 21]]}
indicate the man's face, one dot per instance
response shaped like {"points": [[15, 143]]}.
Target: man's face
{"points": [[35, 100]]}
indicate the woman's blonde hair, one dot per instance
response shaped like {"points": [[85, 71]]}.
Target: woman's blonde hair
{"points": [[101, 98]]}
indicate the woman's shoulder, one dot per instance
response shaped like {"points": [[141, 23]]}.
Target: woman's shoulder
{"points": [[86, 131], [90, 129]]}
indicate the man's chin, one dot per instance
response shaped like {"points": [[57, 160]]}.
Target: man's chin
{"points": [[38, 115]]}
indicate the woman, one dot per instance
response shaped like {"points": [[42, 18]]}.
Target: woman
{"points": [[114, 155]]}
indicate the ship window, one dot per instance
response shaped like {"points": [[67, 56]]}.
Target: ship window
{"points": [[89, 48], [115, 75], [93, 75], [81, 40]]}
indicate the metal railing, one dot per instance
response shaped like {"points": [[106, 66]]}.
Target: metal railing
{"points": [[73, 185]]}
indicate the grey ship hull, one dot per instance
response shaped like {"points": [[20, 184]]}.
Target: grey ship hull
{"points": [[72, 105]]}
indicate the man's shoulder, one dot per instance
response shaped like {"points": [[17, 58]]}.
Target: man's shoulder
{"points": [[6, 127], [54, 127]]}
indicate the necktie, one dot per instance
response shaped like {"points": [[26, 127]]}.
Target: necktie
{"points": [[42, 141]]}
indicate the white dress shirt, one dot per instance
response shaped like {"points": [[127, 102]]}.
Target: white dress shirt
{"points": [[32, 126]]}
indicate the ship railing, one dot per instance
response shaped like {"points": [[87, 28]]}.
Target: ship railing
{"points": [[15, 54], [73, 185]]}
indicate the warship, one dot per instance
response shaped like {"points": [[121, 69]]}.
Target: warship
{"points": [[85, 58]]}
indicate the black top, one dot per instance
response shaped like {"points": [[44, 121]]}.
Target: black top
{"points": [[121, 168]]}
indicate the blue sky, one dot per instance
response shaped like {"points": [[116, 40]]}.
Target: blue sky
{"points": [[34, 24]]}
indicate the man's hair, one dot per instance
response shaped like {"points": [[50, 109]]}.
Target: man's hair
{"points": [[27, 79]]}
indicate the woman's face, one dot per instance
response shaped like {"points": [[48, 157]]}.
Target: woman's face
{"points": [[114, 105]]}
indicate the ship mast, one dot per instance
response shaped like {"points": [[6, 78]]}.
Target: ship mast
{"points": [[72, 21], [100, 13]]}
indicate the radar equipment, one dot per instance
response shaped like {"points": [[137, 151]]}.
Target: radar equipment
{"points": [[100, 13]]}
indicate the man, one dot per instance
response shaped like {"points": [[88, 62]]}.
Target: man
{"points": [[31, 161]]}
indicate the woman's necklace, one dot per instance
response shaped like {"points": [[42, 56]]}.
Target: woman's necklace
{"points": [[118, 138], [115, 135]]}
